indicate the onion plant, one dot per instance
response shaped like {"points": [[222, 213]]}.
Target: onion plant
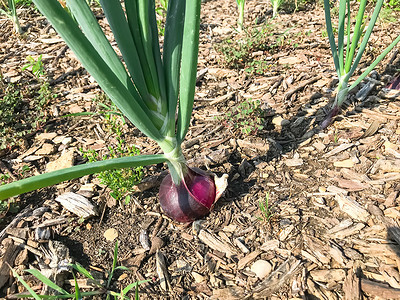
{"points": [[12, 15], [240, 4], [155, 92], [275, 6], [346, 57]]}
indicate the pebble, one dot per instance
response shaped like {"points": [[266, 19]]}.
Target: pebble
{"points": [[261, 268], [111, 234], [67, 140], [279, 121]]}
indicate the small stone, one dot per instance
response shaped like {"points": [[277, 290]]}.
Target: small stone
{"points": [[279, 121], [111, 234], [46, 149], [198, 278], [347, 163], [66, 141], [261, 268]]}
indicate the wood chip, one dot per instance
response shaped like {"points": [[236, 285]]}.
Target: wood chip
{"points": [[248, 259], [162, 271], [8, 258], [347, 163], [337, 150], [355, 229], [352, 208], [229, 293], [351, 286], [277, 278], [385, 166], [377, 289], [215, 243], [270, 245], [328, 275], [78, 205], [352, 185]]}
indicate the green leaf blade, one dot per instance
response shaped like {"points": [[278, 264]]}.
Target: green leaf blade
{"points": [[51, 178], [128, 103], [187, 81]]}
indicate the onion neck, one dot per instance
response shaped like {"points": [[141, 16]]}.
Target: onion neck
{"points": [[176, 161]]}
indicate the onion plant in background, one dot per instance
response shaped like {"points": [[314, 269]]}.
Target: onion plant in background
{"points": [[347, 56], [11, 13], [275, 6], [155, 92], [240, 4]]}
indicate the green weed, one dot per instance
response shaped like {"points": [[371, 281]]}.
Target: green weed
{"points": [[35, 66], [266, 210], [100, 288], [121, 182], [246, 116], [237, 52]]}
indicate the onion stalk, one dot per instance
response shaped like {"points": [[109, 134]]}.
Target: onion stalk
{"points": [[12, 15], [150, 89], [240, 4], [347, 60]]}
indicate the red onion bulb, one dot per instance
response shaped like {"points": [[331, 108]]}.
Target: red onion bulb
{"points": [[191, 199]]}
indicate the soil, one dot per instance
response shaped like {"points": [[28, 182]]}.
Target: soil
{"points": [[330, 229]]}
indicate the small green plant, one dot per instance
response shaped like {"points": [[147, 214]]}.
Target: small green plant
{"points": [[35, 65], [246, 116], [101, 288], [11, 13], [258, 67], [14, 123], [122, 181], [44, 94], [266, 210], [237, 52]]}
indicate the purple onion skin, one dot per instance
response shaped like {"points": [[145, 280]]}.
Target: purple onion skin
{"points": [[192, 199], [329, 118]]}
